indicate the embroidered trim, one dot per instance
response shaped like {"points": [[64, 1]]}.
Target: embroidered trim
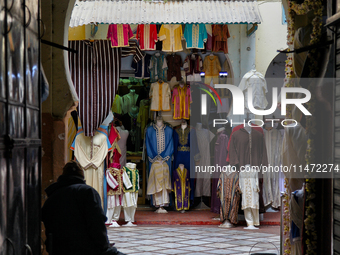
{"points": [[117, 174], [183, 148], [133, 176], [183, 136], [160, 138]]}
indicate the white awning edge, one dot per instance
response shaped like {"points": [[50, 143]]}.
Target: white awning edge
{"points": [[144, 12]]}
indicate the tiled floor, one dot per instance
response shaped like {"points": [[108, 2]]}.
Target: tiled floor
{"points": [[143, 240]]}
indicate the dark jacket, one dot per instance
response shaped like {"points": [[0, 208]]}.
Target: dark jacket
{"points": [[73, 216]]}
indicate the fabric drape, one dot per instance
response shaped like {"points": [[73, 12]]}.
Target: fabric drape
{"points": [[95, 74]]}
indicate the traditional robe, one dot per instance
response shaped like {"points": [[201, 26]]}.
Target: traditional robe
{"points": [[220, 156], [91, 152], [174, 63], [239, 152], [160, 94], [171, 35], [203, 184], [142, 67], [271, 189], [195, 36], [186, 152], [181, 188], [130, 197], [159, 146], [220, 38], [229, 194], [128, 101], [119, 35], [181, 98], [147, 36], [193, 66], [158, 67]]}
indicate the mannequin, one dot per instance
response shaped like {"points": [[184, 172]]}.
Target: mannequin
{"points": [[159, 146], [116, 178], [130, 196], [181, 188], [247, 149], [129, 100], [203, 184]]}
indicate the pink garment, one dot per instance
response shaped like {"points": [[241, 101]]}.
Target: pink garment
{"points": [[119, 35], [181, 98]]}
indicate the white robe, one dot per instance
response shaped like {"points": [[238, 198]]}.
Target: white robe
{"points": [[249, 185], [116, 200]]}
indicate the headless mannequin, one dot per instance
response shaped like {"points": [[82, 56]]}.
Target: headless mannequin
{"points": [[129, 212]]}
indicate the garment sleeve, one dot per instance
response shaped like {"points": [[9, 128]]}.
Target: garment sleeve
{"points": [[137, 33], [186, 32], [174, 93], [130, 34], [204, 33], [186, 64], [151, 90], [111, 181], [165, 64], [151, 145], [227, 31], [169, 147], [126, 180], [205, 65], [233, 157], [161, 34], [194, 146], [181, 37], [134, 66], [154, 33], [109, 32], [200, 63], [264, 160], [218, 65], [189, 94]]}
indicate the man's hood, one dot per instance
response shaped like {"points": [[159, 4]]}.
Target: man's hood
{"points": [[63, 181]]}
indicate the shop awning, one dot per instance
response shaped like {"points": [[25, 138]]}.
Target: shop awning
{"points": [[147, 12]]}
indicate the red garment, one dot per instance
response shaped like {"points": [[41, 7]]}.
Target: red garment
{"points": [[238, 128], [114, 137], [220, 38], [114, 134], [147, 36], [117, 174]]}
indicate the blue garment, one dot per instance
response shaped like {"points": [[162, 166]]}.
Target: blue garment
{"points": [[195, 36], [158, 68], [159, 144], [186, 152], [142, 67]]}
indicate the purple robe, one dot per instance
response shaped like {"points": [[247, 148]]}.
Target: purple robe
{"points": [[181, 188], [220, 160]]}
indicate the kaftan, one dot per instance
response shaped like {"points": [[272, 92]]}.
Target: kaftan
{"points": [[271, 188], [160, 94], [181, 98], [119, 35], [195, 36], [193, 66], [158, 67], [181, 188], [203, 184], [186, 152], [171, 35], [117, 105], [129, 100], [91, 152], [294, 148], [220, 157], [147, 36]]}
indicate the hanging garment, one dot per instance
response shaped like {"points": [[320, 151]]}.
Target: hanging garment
{"points": [[195, 36], [181, 188], [209, 43], [203, 184], [174, 63], [221, 145], [181, 98], [160, 95], [296, 216], [96, 92], [294, 146], [258, 83], [119, 35], [91, 152], [220, 38], [171, 35], [158, 67], [124, 134], [129, 100], [142, 67], [115, 154], [129, 121], [117, 105], [229, 193], [186, 152], [143, 116], [71, 134], [211, 66], [134, 50], [271, 188], [147, 36], [193, 66]]}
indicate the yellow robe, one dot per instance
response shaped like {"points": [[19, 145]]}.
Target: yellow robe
{"points": [[171, 35]]}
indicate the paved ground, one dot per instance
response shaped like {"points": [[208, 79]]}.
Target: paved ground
{"points": [[143, 240]]}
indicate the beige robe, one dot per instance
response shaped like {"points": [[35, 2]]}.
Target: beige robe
{"points": [[160, 95], [91, 152]]}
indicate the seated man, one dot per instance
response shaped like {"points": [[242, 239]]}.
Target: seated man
{"points": [[73, 216]]}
